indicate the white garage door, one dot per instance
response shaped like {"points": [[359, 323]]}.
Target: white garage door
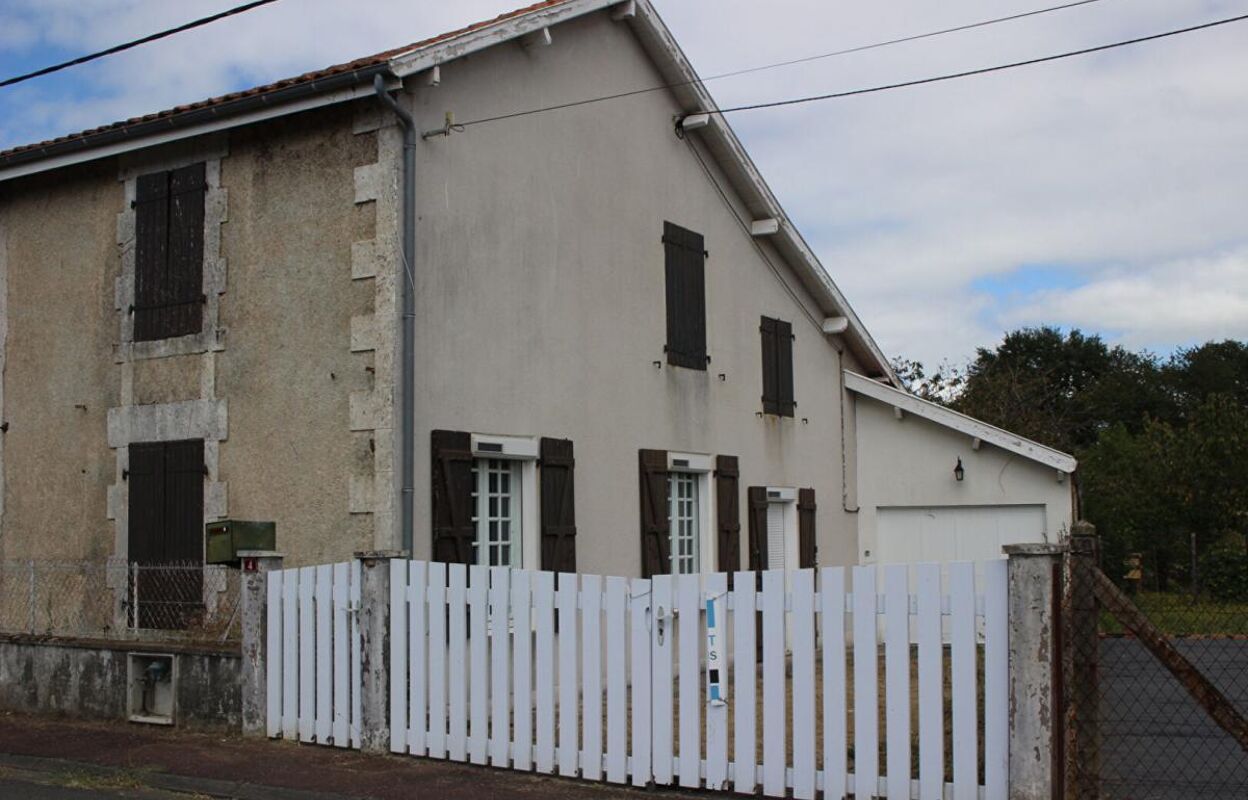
{"points": [[954, 533]]}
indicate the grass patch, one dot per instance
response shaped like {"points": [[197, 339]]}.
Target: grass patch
{"points": [[1182, 615], [117, 779]]}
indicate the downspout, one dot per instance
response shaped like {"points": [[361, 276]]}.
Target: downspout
{"points": [[407, 416]]}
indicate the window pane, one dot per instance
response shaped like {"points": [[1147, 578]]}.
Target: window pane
{"points": [[683, 521], [496, 507]]}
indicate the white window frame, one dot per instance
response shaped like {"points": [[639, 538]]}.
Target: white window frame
{"points": [[524, 450], [786, 498], [701, 465]]}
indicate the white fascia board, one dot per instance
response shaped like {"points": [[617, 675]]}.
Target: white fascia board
{"points": [[736, 162], [423, 58], [948, 418], [174, 134]]}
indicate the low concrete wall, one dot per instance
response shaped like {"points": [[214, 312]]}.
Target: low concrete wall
{"points": [[87, 679]]}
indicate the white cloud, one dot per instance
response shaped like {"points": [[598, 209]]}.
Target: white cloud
{"points": [[1127, 168]]}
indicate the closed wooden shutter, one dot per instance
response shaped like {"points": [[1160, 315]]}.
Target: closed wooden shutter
{"points": [[757, 500], [777, 350], [453, 531], [184, 313], [685, 262], [146, 484], [767, 332], [807, 549], [727, 514], [655, 527], [784, 369], [151, 253], [169, 253], [558, 506]]}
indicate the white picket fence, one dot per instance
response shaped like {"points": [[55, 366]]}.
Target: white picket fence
{"points": [[513, 668], [313, 654]]}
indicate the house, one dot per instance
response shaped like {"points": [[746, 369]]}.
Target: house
{"points": [[589, 338]]}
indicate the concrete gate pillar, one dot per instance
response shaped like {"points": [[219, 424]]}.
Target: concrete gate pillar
{"points": [[374, 616], [256, 564]]}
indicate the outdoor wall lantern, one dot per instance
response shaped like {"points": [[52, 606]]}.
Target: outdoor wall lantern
{"points": [[958, 472]]}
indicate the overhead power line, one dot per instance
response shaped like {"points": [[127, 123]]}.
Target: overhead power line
{"points": [[981, 71], [135, 43], [778, 64]]}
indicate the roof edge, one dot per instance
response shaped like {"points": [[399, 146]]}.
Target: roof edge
{"points": [[954, 420]]}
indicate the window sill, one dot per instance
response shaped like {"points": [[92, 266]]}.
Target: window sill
{"points": [[212, 340]]}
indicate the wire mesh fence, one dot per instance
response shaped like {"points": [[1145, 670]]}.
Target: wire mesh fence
{"points": [[119, 600], [1155, 690]]}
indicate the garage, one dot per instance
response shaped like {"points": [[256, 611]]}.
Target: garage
{"points": [[931, 485], [954, 533]]}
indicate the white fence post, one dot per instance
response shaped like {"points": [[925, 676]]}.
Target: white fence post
{"points": [[1033, 572]]}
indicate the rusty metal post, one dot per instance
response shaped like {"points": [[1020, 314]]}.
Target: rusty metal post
{"points": [[253, 607], [1081, 665], [1035, 678]]}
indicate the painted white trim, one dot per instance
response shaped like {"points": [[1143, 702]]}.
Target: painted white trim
{"points": [[474, 41], [174, 134], [933, 412], [688, 462], [512, 447]]}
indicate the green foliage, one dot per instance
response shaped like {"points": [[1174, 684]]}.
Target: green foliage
{"points": [[1162, 445], [1224, 571]]}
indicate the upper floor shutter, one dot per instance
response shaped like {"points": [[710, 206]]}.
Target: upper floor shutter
{"points": [[684, 258], [558, 506], [777, 351], [807, 548], [727, 515], [655, 526], [169, 253], [451, 479]]}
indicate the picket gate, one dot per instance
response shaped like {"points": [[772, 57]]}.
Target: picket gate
{"points": [[313, 654], [679, 680]]}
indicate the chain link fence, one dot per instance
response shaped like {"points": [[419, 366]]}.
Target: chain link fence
{"points": [[1155, 689], [117, 600]]}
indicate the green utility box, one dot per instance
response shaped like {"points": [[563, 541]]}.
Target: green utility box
{"points": [[228, 536]]}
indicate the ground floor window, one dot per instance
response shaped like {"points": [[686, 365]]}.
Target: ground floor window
{"points": [[684, 521], [781, 540], [497, 512]]}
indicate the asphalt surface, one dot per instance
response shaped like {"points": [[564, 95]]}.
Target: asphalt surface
{"points": [[1157, 743]]}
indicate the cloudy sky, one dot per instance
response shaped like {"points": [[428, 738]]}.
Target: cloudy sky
{"points": [[1108, 193]]}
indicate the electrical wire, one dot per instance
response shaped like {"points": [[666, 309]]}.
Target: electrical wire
{"points": [[981, 71], [803, 60], [135, 43]]}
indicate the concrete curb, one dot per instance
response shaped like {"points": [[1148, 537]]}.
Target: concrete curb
{"points": [[211, 787]]}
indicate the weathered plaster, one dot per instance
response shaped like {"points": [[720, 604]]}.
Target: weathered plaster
{"points": [[372, 411]]}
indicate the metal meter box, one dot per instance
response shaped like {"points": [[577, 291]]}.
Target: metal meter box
{"points": [[227, 537]]}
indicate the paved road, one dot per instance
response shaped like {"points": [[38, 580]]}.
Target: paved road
{"points": [[1158, 744], [28, 788]]}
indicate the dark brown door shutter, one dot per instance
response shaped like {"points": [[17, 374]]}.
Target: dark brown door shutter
{"points": [[807, 550], [727, 514], [184, 501], [558, 506], [146, 483], [655, 527], [784, 369], [151, 253], [184, 312], [685, 267], [453, 531], [767, 331], [757, 497]]}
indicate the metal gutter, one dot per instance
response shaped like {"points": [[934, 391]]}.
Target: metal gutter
{"points": [[336, 88], [407, 414]]}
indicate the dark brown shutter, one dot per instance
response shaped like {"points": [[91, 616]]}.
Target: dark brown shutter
{"points": [[184, 312], [757, 498], [558, 506], [184, 501], [151, 243], [146, 484], [685, 267], [807, 550], [727, 514], [767, 331], [453, 531], [784, 369], [655, 526]]}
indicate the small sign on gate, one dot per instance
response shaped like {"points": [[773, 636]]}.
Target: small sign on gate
{"points": [[716, 691]]}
